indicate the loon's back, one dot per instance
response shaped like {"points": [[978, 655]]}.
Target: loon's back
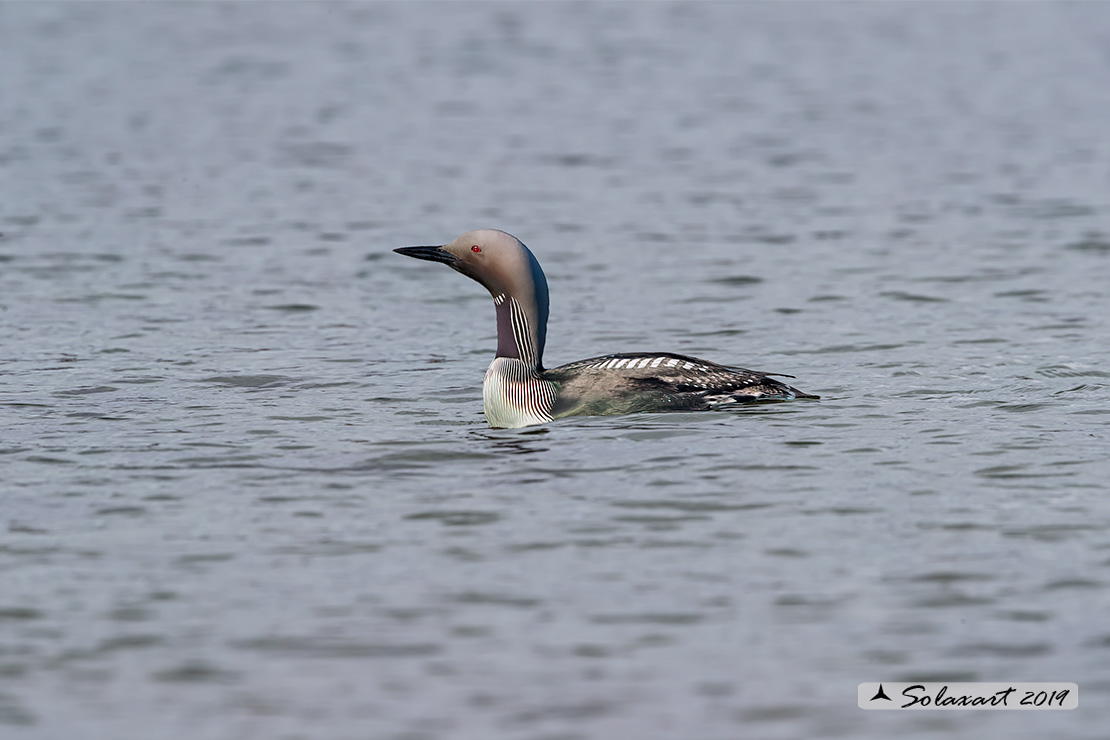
{"points": [[632, 382]]}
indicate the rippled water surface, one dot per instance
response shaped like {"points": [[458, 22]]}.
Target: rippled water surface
{"points": [[246, 487]]}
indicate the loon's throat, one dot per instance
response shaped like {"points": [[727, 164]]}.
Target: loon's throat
{"points": [[518, 332]]}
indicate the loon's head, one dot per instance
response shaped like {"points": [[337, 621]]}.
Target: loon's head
{"points": [[506, 268], [497, 260]]}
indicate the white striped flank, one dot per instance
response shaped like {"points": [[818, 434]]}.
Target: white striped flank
{"points": [[514, 396], [644, 363]]}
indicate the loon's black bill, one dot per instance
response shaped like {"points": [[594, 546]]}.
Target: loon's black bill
{"points": [[432, 254]]}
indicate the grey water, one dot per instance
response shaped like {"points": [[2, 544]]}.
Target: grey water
{"points": [[246, 489]]}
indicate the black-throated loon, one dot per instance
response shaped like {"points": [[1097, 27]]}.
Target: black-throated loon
{"points": [[519, 392]]}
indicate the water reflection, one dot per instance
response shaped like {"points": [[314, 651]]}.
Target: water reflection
{"points": [[524, 442]]}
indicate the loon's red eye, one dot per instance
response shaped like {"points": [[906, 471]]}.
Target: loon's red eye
{"points": [[475, 248]]}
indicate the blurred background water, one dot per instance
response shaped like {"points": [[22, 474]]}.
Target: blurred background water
{"points": [[245, 484]]}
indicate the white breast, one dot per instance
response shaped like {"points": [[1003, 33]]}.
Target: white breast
{"points": [[514, 396]]}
